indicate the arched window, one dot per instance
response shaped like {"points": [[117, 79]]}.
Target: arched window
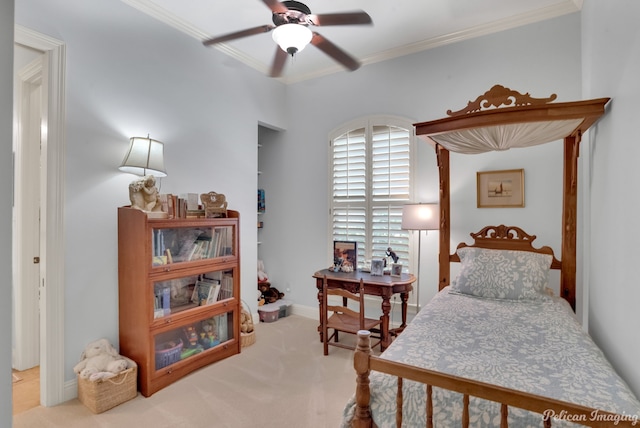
{"points": [[370, 182]]}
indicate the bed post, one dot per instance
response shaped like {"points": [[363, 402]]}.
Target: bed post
{"points": [[569, 219], [362, 415], [442, 156]]}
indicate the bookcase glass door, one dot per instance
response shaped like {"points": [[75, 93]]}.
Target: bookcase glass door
{"points": [[171, 296], [185, 244], [190, 340]]}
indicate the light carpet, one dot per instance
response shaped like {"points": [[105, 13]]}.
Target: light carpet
{"points": [[283, 380]]}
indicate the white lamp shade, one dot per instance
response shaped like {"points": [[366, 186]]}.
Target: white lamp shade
{"points": [[292, 38], [145, 156], [421, 217]]}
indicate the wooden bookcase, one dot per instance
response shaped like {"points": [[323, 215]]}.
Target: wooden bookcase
{"points": [[166, 328]]}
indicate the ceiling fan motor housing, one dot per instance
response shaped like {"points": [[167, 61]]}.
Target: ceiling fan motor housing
{"points": [[297, 14]]}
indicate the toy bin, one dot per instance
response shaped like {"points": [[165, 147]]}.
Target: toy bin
{"points": [[285, 308], [168, 353], [104, 394], [269, 312]]}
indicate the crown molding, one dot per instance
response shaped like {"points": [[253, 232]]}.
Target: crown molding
{"points": [[553, 11]]}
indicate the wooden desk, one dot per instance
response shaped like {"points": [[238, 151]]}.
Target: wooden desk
{"points": [[384, 286]]}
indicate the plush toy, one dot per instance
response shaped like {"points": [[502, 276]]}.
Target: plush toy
{"points": [[100, 360], [208, 337], [269, 294], [262, 275], [246, 322]]}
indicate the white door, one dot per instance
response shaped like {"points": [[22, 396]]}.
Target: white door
{"points": [[26, 211]]}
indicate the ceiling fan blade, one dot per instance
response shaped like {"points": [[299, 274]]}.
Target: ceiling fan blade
{"points": [[278, 62], [276, 6], [334, 52], [239, 34], [347, 18]]}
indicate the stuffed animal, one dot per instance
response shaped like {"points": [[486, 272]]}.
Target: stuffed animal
{"points": [[246, 322], [100, 360], [269, 294], [262, 275]]}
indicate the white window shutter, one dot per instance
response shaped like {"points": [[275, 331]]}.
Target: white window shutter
{"points": [[370, 184]]}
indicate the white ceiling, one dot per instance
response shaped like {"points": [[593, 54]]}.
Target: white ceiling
{"points": [[400, 27]]}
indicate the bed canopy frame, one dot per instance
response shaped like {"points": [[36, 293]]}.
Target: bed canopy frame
{"points": [[501, 119], [497, 120]]}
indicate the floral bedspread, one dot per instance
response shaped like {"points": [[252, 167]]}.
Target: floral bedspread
{"points": [[532, 346]]}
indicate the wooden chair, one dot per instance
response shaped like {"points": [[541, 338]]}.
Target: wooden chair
{"points": [[343, 317]]}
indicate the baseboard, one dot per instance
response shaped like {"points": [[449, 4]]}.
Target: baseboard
{"points": [[70, 390]]}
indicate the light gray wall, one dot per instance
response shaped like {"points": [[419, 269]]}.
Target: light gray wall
{"points": [[541, 59], [6, 189], [611, 52], [130, 75]]}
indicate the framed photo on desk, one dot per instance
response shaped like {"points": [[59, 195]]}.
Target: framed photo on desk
{"points": [[345, 254], [396, 269], [377, 267]]}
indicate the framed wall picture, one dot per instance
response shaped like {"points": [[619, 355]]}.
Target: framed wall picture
{"points": [[501, 189], [345, 255]]}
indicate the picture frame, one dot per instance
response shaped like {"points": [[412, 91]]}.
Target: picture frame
{"points": [[345, 255], [377, 267], [500, 189], [396, 269]]}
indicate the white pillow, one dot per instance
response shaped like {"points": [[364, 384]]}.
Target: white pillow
{"points": [[502, 274]]}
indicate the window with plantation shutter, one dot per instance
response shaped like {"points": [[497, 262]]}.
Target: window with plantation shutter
{"points": [[370, 182]]}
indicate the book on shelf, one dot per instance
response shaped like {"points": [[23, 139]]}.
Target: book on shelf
{"points": [[205, 291], [226, 287], [162, 302], [192, 200], [195, 213], [166, 300], [223, 329], [261, 201], [201, 292]]}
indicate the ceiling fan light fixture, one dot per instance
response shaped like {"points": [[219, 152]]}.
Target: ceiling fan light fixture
{"points": [[292, 38]]}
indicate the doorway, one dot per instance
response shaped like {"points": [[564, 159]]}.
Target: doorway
{"points": [[38, 308], [28, 106]]}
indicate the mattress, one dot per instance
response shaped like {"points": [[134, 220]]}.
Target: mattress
{"points": [[532, 346]]}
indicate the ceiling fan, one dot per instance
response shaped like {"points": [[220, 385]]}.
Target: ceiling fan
{"points": [[291, 21]]}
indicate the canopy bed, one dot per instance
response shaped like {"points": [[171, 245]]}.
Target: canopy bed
{"points": [[494, 347]]}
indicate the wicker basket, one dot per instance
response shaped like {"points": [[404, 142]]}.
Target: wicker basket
{"points": [[104, 394], [247, 339]]}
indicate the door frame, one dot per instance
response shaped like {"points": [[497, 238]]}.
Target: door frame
{"points": [[52, 364]]}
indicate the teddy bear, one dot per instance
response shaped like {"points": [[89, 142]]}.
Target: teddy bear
{"points": [[268, 293], [100, 360], [246, 322]]}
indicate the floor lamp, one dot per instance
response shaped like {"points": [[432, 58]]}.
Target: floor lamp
{"points": [[420, 217]]}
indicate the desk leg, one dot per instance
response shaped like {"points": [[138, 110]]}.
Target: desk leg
{"points": [[405, 298], [320, 311], [386, 308]]}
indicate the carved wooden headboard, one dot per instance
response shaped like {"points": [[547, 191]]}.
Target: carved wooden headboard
{"points": [[506, 238]]}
